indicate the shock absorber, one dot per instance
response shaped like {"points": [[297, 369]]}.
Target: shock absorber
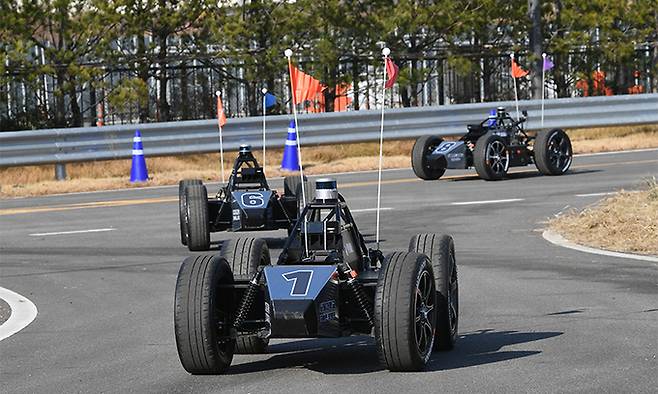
{"points": [[358, 292], [247, 301]]}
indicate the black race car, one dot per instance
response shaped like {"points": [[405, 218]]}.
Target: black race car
{"points": [[246, 203], [492, 147], [325, 283]]}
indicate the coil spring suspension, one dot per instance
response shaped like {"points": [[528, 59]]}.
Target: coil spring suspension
{"points": [[247, 301], [361, 298]]}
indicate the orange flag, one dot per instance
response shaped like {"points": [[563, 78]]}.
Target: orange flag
{"points": [[221, 116], [342, 101], [517, 71], [304, 86]]}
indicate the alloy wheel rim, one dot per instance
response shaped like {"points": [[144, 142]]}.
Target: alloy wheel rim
{"points": [[559, 152], [453, 296], [424, 315], [497, 157]]}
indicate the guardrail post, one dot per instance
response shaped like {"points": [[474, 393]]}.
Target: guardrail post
{"points": [[60, 171]]}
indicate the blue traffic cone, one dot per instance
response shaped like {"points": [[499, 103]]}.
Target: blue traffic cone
{"points": [[290, 160], [138, 172]]}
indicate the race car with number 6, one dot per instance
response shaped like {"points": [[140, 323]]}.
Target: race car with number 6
{"points": [[246, 203], [326, 283]]}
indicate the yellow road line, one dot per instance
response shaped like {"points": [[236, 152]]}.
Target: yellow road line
{"points": [[95, 204], [120, 203]]}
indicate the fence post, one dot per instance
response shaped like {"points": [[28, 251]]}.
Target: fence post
{"points": [[60, 171]]}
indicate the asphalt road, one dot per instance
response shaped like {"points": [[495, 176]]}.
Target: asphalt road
{"points": [[534, 317]]}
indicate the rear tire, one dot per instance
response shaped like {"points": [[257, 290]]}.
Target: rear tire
{"points": [[491, 157], [202, 315], [198, 225], [182, 207], [405, 312], [423, 146], [553, 153], [441, 251], [244, 256]]}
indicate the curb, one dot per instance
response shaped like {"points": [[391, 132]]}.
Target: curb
{"points": [[556, 239]]}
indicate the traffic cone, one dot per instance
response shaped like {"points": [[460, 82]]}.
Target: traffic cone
{"points": [[290, 160], [138, 172]]}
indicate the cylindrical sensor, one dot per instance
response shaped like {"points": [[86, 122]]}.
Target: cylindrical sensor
{"points": [[326, 189]]}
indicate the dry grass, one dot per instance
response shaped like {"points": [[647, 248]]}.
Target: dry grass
{"points": [[102, 175], [614, 138], [627, 222]]}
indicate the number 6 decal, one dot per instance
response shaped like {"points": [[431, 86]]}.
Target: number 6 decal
{"points": [[253, 200], [301, 281]]}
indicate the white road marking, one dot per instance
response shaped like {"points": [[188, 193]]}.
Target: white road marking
{"points": [[557, 239], [486, 201], [23, 312], [596, 194], [370, 210], [94, 230]]}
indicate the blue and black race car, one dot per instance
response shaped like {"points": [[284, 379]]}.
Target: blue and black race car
{"points": [[246, 203], [326, 283], [493, 146]]}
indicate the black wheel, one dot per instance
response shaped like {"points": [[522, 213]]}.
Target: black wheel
{"points": [[202, 315], [491, 157], [244, 255], [405, 312], [553, 154], [182, 206], [198, 223], [424, 146], [441, 251]]}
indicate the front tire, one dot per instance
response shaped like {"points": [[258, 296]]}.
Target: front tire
{"points": [[553, 153], [491, 157], [202, 315], [421, 166], [198, 225], [245, 256], [405, 312], [182, 207], [441, 251]]}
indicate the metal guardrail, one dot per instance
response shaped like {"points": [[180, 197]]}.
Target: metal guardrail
{"points": [[61, 146]]}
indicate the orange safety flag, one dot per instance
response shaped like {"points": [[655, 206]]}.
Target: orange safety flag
{"points": [[304, 86], [342, 101], [392, 71], [517, 71], [221, 116]]}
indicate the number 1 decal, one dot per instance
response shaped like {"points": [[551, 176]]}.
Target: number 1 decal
{"points": [[301, 281]]}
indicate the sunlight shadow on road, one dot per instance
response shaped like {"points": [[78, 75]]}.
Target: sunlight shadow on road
{"points": [[357, 355]]}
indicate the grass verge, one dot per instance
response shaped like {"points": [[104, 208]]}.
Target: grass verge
{"points": [[626, 222], [105, 175]]}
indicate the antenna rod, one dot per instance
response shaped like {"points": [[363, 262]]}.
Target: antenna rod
{"points": [[385, 52], [264, 113], [288, 53], [221, 144]]}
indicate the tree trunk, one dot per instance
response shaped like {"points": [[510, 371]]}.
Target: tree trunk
{"points": [[184, 98], [76, 115], [534, 11], [163, 78], [654, 60], [60, 110], [143, 74], [355, 82], [560, 59]]}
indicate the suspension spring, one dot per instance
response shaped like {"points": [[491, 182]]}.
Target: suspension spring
{"points": [[247, 301], [361, 299]]}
